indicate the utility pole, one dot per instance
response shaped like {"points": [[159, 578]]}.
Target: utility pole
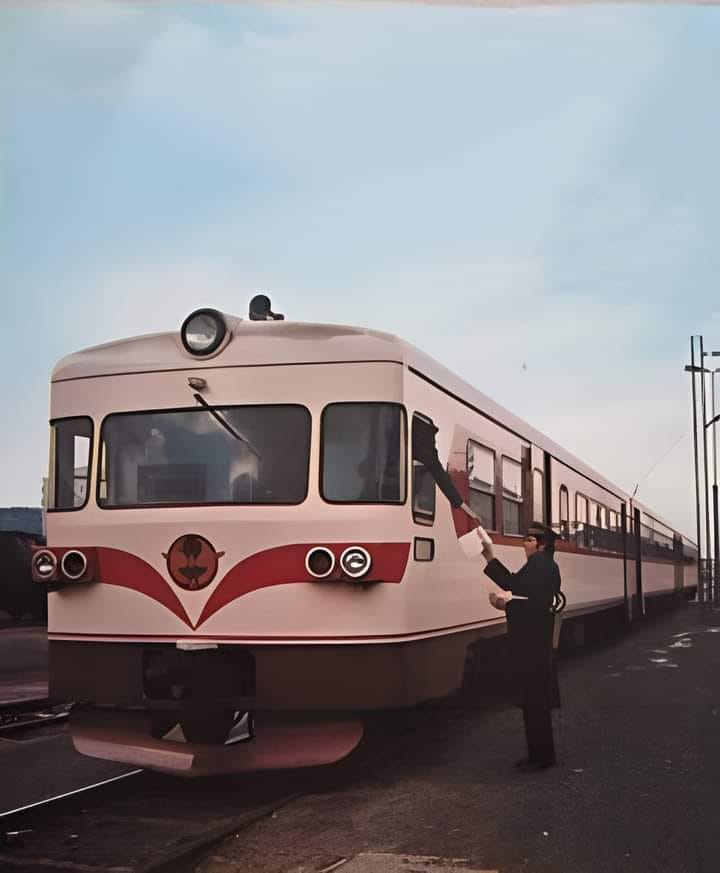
{"points": [[708, 559], [700, 588]]}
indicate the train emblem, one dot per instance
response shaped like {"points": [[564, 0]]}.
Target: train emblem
{"points": [[192, 562]]}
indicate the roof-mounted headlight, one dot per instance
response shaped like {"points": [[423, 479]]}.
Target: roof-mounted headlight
{"points": [[203, 331]]}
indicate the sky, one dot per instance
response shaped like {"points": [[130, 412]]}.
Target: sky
{"points": [[528, 195]]}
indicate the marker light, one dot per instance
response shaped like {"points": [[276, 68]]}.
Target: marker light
{"points": [[74, 565], [44, 565], [355, 562], [203, 331], [319, 562]]}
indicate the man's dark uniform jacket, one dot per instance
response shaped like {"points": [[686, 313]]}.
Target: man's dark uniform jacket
{"points": [[530, 628]]}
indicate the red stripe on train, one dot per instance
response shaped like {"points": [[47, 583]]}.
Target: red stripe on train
{"points": [[284, 565]]}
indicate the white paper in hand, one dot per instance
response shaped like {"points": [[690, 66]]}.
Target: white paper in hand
{"points": [[472, 542], [484, 535]]}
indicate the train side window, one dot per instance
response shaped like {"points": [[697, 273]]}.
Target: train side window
{"points": [[481, 479], [581, 517], [538, 496], [564, 513], [423, 487], [512, 496], [71, 462]]}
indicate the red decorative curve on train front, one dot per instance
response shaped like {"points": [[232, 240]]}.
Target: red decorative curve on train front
{"points": [[286, 564], [116, 567]]}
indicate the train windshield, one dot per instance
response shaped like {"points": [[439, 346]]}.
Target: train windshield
{"points": [[363, 453], [181, 457]]}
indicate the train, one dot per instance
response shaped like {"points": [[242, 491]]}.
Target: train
{"points": [[249, 545]]}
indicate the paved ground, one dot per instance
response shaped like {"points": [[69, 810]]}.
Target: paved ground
{"points": [[42, 764], [23, 662], [636, 790]]}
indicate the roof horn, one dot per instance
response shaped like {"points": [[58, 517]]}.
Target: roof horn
{"points": [[260, 309]]}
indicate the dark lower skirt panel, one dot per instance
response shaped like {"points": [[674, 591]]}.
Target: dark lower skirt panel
{"points": [[273, 677]]}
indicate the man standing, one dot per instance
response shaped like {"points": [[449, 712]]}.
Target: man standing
{"points": [[530, 623]]}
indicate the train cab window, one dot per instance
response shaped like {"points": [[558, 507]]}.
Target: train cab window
{"points": [[363, 453], [512, 496], [423, 483], [564, 513], [189, 457], [481, 479], [70, 463], [538, 496]]}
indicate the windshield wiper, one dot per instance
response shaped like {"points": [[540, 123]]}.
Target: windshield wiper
{"points": [[218, 416]]}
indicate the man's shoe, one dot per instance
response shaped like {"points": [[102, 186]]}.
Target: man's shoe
{"points": [[534, 766]]}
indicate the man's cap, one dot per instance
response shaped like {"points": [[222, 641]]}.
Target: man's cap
{"points": [[538, 529]]}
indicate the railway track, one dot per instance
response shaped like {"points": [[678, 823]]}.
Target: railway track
{"points": [[25, 715], [135, 823]]}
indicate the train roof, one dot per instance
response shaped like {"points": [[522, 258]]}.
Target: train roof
{"points": [[252, 343], [257, 343]]}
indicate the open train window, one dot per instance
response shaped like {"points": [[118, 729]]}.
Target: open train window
{"points": [[70, 463], [512, 496], [423, 482], [481, 479], [363, 453]]}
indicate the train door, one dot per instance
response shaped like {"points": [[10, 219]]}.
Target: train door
{"points": [[638, 609], [678, 574], [624, 530]]}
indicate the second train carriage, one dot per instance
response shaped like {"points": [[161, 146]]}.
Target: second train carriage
{"points": [[242, 520]]}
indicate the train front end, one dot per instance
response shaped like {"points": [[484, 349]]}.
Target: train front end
{"points": [[227, 534]]}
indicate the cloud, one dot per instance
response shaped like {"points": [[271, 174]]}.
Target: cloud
{"points": [[74, 51]]}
